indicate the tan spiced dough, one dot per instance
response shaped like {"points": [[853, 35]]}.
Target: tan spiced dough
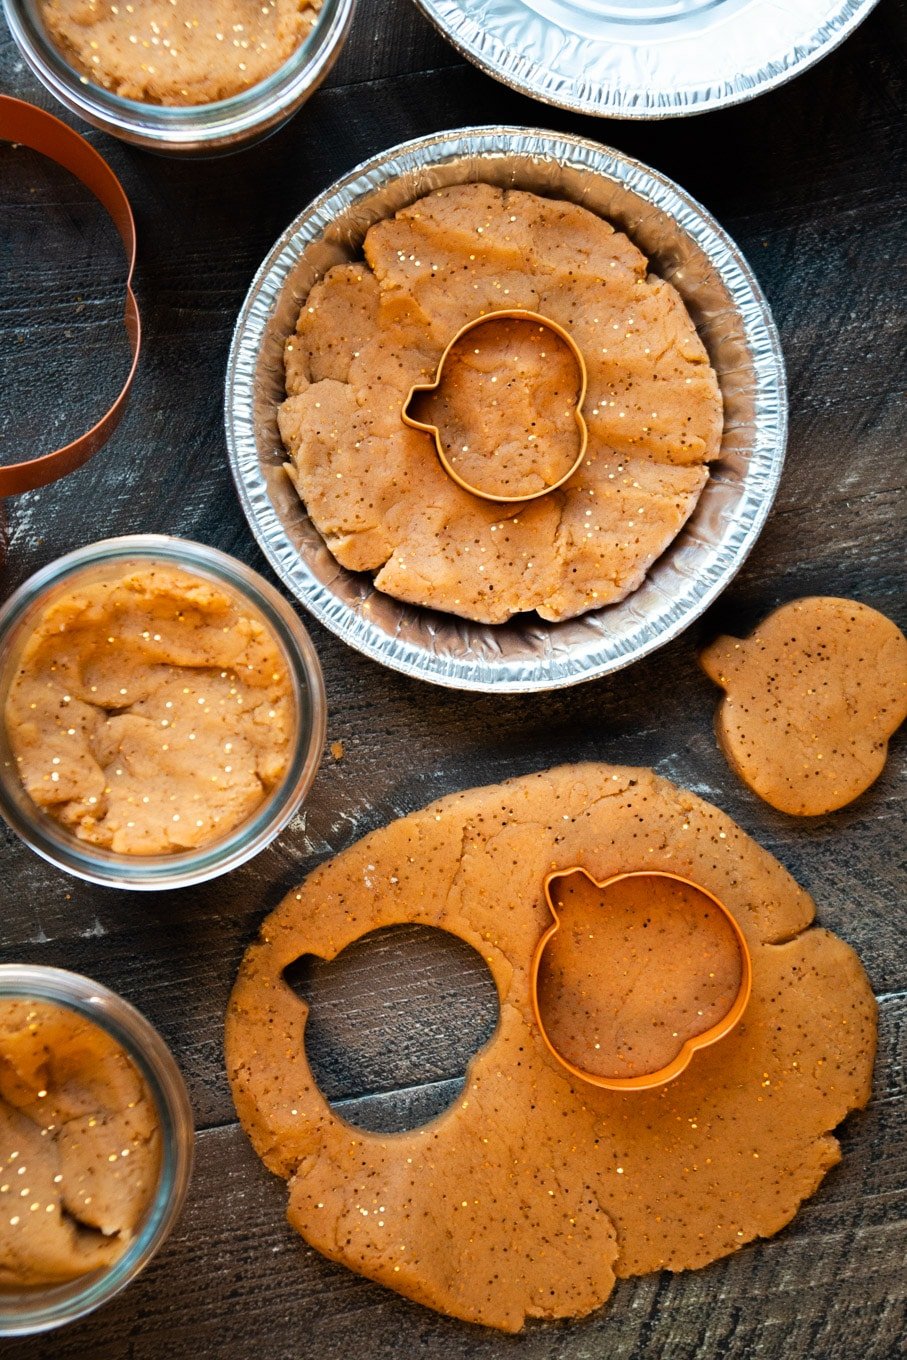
{"points": [[811, 699], [375, 488], [150, 712], [79, 1146], [533, 1193], [178, 52]]}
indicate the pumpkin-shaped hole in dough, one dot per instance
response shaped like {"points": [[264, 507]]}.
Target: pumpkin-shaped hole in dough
{"points": [[393, 1022]]}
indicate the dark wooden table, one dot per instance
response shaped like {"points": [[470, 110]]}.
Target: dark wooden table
{"points": [[806, 181]]}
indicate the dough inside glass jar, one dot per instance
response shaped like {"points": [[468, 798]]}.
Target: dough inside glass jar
{"points": [[151, 712], [79, 1146], [178, 52]]}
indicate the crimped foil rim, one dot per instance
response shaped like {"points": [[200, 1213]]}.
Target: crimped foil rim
{"points": [[521, 657], [465, 24]]}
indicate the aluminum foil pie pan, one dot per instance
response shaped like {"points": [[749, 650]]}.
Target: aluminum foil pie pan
{"points": [[644, 58], [684, 245]]}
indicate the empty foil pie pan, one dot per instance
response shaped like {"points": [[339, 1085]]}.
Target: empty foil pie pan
{"points": [[645, 58], [684, 245]]}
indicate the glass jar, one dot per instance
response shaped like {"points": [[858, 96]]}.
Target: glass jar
{"points": [[108, 560], [40, 1308], [197, 130]]}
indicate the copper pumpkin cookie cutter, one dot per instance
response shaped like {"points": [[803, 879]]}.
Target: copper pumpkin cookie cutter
{"points": [[515, 315], [646, 1080], [25, 125]]}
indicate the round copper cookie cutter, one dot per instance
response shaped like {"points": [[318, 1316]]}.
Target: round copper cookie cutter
{"points": [[517, 314], [25, 125], [646, 1080]]}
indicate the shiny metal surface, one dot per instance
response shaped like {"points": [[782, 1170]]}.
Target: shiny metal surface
{"points": [[685, 246], [644, 58]]}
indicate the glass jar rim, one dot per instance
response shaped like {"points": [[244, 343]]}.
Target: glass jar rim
{"points": [[156, 872], [213, 124], [40, 1310]]}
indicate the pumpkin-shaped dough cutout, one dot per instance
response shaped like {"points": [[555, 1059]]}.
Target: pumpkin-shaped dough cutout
{"points": [[811, 698]]}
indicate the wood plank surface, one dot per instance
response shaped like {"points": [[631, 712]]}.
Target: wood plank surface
{"points": [[809, 179]]}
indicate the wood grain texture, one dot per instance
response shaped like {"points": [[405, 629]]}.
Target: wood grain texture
{"points": [[809, 180]]}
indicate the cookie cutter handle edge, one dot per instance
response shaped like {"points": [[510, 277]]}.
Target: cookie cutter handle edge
{"points": [[27, 125]]}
